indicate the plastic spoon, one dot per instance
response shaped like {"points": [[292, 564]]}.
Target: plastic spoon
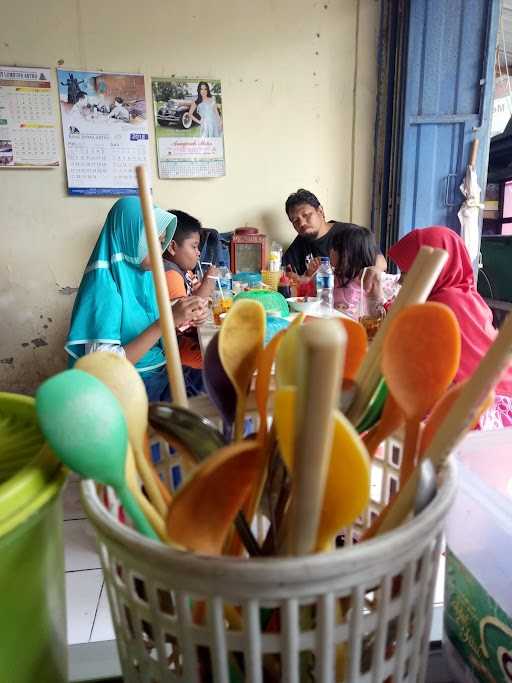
{"points": [[287, 354], [264, 370], [198, 438], [123, 380], [85, 426], [357, 346], [420, 357], [202, 512], [416, 288], [240, 341], [157, 522], [391, 419], [218, 386]]}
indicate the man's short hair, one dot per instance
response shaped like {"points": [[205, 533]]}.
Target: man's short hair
{"points": [[187, 225], [301, 197]]}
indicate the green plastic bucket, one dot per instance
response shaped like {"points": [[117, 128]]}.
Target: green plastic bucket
{"points": [[33, 645]]}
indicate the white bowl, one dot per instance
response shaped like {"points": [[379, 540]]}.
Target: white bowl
{"points": [[300, 304]]}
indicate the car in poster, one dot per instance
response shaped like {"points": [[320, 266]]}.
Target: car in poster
{"points": [[175, 113]]}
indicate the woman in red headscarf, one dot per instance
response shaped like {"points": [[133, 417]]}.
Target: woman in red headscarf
{"points": [[456, 288]]}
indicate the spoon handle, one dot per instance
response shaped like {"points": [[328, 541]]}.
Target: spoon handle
{"points": [[412, 431], [141, 523]]}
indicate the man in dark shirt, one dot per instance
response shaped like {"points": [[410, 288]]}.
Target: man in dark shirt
{"points": [[314, 233]]}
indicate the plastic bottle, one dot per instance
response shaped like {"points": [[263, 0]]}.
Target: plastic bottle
{"points": [[225, 277], [275, 256], [284, 286], [324, 280]]}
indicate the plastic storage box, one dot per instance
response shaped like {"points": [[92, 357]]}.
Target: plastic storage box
{"points": [[478, 584]]}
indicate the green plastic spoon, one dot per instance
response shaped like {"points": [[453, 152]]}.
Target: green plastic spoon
{"points": [[84, 424]]}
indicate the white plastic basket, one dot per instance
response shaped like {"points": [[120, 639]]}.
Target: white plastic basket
{"points": [[360, 614]]}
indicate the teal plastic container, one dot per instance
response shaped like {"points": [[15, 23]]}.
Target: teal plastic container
{"points": [[33, 642]]}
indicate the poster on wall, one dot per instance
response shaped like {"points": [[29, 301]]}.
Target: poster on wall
{"points": [[188, 127], [28, 126], [105, 130]]}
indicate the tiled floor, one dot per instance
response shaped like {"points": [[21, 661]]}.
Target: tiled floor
{"points": [[88, 613]]}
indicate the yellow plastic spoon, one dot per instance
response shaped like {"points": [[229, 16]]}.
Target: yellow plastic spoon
{"points": [[123, 380], [240, 341], [156, 521], [264, 370], [287, 354], [347, 489]]}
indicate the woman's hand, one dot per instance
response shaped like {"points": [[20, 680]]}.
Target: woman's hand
{"points": [[190, 310], [372, 284]]}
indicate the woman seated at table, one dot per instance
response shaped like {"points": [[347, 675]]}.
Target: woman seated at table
{"points": [[456, 288], [116, 309]]}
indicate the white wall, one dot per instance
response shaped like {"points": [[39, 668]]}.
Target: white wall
{"points": [[298, 79]]}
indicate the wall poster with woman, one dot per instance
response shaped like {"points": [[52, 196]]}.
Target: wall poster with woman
{"points": [[188, 127]]}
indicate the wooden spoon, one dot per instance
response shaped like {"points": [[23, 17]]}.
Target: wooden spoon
{"points": [[442, 408], [321, 352], [240, 341], [420, 357], [123, 380], [202, 512]]}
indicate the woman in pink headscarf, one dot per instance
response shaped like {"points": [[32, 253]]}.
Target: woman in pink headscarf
{"points": [[456, 288]]}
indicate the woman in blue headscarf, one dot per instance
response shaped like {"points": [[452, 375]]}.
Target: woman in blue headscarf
{"points": [[116, 308]]}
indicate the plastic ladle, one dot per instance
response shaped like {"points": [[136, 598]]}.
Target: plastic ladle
{"points": [[420, 357], [85, 427], [123, 380], [240, 341], [202, 512]]}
